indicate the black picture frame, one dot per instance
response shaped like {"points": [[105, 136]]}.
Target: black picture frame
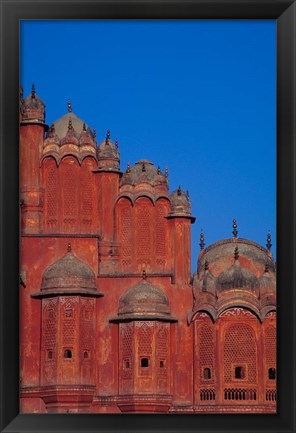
{"points": [[284, 11]]}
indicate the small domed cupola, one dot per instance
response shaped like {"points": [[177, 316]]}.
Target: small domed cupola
{"points": [[108, 155], [32, 108], [180, 205], [51, 136], [86, 138], [68, 275], [70, 127], [144, 301], [144, 171], [237, 276]]}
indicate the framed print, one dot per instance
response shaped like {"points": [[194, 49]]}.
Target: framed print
{"points": [[114, 326]]}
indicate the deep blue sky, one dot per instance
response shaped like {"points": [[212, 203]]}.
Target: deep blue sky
{"points": [[196, 96]]}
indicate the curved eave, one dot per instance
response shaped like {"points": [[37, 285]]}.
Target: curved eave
{"points": [[180, 215], [142, 316], [66, 292], [34, 122], [107, 170]]}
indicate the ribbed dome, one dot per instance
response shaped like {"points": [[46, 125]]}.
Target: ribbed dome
{"points": [[108, 154], [237, 276], [68, 273], [267, 282], [143, 171], [180, 205], [32, 108], [144, 301], [61, 126]]}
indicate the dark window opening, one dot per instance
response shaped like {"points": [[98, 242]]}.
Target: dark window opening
{"points": [[49, 354], [144, 362], [271, 373], [207, 373], [161, 364], [85, 354], [239, 373], [68, 353], [127, 364]]}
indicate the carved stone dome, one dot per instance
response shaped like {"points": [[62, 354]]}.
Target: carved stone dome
{"points": [[143, 171], [32, 108], [68, 276], [61, 126], [108, 155], [180, 205], [144, 301], [237, 276], [68, 272]]}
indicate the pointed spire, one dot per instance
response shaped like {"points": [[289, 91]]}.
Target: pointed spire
{"points": [[128, 168], [236, 253], [187, 193], [69, 106], [266, 268], [206, 265], [202, 240], [84, 126], [158, 170], [33, 93], [69, 248], [234, 226], [166, 173], [107, 137], [268, 244], [144, 275], [179, 190], [116, 143]]}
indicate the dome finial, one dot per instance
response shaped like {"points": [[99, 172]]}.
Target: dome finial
{"points": [[236, 253], [158, 170], [107, 137], [95, 132], [84, 126], [33, 93], [202, 240], [234, 226], [128, 168], [69, 106], [144, 275], [166, 173], [143, 166], [268, 244], [69, 248], [116, 143], [70, 125], [187, 193], [179, 190]]}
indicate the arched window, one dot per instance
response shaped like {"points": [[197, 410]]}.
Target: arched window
{"points": [[144, 362], [207, 373], [68, 353], [271, 373], [85, 354], [239, 372]]}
